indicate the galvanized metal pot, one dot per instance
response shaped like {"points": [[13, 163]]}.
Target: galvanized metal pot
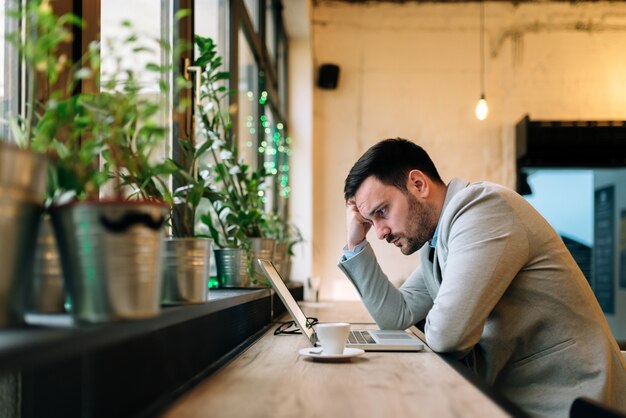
{"points": [[22, 173], [232, 267], [19, 224], [186, 270], [260, 248], [47, 294], [22, 183], [281, 260], [111, 253]]}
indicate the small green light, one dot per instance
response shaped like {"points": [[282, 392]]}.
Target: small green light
{"points": [[213, 283]]}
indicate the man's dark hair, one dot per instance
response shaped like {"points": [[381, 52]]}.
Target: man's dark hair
{"points": [[390, 161]]}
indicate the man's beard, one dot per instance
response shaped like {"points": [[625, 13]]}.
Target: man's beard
{"points": [[420, 226]]}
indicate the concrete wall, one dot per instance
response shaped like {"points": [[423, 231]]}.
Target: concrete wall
{"points": [[412, 70]]}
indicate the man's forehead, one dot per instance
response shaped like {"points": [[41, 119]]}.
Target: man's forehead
{"points": [[371, 191]]}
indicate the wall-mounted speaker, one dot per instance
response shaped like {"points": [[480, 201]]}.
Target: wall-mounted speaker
{"points": [[328, 76]]}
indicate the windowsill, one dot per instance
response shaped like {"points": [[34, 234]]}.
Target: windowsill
{"points": [[129, 367], [51, 337]]}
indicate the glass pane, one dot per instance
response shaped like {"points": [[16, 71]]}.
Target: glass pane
{"points": [[209, 21], [9, 78], [252, 7], [268, 147], [283, 182], [270, 30], [281, 74], [247, 104], [119, 55], [146, 21], [550, 188], [593, 225], [2, 43]]}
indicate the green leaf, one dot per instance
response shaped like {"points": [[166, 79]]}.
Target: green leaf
{"points": [[154, 67], [182, 13]]}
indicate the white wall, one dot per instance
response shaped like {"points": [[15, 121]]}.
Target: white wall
{"points": [[412, 70], [301, 132]]}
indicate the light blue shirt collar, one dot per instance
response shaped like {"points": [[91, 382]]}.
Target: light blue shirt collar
{"points": [[433, 242]]}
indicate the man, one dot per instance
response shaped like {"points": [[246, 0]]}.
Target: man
{"points": [[495, 285]]}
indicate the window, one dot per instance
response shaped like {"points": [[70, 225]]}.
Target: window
{"points": [[10, 77], [249, 33], [270, 29], [252, 8], [247, 103], [209, 21], [117, 55]]}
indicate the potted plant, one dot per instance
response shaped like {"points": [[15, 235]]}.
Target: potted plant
{"points": [[110, 233], [287, 236], [188, 253], [235, 214], [22, 166]]}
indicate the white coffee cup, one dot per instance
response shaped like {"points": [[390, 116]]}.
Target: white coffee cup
{"points": [[332, 336]]}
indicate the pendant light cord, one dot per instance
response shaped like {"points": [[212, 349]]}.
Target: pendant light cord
{"points": [[482, 49]]}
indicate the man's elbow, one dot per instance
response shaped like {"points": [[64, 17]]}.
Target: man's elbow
{"points": [[443, 343]]}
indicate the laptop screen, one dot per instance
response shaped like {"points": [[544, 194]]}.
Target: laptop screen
{"points": [[290, 303]]}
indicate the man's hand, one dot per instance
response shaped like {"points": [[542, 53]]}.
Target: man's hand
{"points": [[357, 225]]}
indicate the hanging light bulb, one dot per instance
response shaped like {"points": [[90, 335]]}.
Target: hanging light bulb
{"points": [[482, 108]]}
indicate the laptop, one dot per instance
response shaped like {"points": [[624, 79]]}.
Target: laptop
{"points": [[366, 339]]}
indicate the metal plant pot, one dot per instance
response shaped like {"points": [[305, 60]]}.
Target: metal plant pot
{"points": [[19, 224], [22, 173], [111, 253], [281, 260], [186, 270], [47, 294], [22, 183], [232, 267], [260, 248]]}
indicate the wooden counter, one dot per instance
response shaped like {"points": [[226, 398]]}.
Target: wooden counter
{"points": [[270, 379]]}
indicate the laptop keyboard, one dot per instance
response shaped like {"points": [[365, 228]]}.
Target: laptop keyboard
{"points": [[360, 337]]}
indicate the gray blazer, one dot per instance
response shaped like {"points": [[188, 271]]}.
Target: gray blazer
{"points": [[504, 292]]}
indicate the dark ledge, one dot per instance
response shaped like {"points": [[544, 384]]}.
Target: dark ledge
{"points": [[52, 337], [128, 368]]}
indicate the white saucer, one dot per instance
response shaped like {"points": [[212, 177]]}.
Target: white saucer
{"points": [[316, 353]]}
